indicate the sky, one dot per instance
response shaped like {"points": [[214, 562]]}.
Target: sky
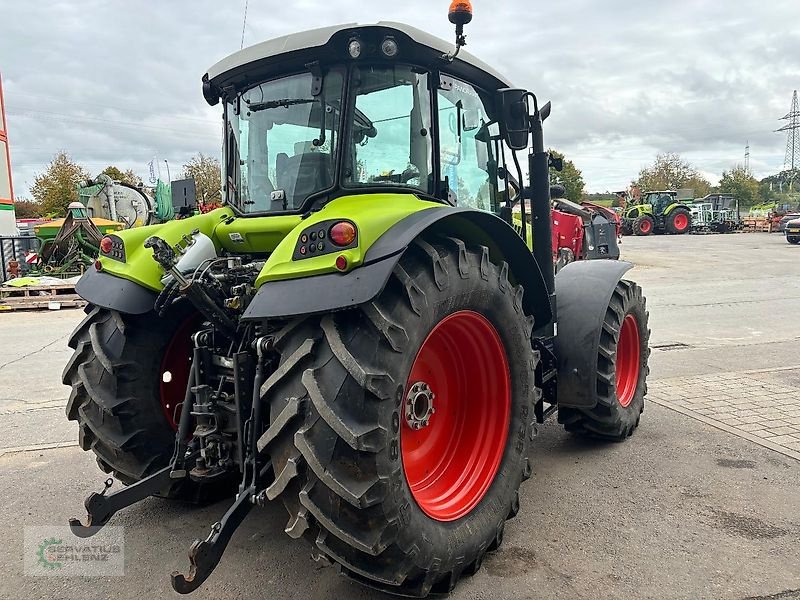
{"points": [[115, 82]]}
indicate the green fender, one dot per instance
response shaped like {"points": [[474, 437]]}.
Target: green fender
{"points": [[675, 206], [302, 295]]}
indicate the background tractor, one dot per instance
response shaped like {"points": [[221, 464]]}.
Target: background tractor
{"points": [[656, 212], [359, 333]]}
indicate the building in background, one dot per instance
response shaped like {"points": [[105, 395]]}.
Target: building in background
{"points": [[8, 223]]}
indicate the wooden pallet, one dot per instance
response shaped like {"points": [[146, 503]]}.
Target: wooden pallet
{"points": [[759, 224], [39, 297]]}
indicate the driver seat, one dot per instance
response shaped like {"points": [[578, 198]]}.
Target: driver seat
{"points": [[302, 175]]}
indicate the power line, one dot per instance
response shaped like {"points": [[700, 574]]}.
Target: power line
{"points": [[107, 123], [108, 106]]}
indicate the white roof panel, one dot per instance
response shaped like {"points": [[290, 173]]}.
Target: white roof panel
{"points": [[321, 36]]}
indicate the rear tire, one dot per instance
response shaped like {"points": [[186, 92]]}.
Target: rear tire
{"points": [[679, 221], [793, 239], [338, 429], [643, 225], [115, 376], [622, 369]]}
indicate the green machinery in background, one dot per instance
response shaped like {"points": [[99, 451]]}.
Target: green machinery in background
{"points": [[69, 245], [131, 205]]}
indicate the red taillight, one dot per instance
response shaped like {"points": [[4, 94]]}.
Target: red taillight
{"points": [[98, 265], [341, 262], [106, 244], [342, 233]]}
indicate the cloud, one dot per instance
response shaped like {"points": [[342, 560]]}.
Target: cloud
{"points": [[119, 83]]}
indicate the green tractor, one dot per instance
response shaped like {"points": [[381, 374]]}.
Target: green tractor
{"points": [[360, 333], [656, 212]]}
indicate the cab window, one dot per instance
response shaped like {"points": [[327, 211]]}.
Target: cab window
{"points": [[468, 163]]}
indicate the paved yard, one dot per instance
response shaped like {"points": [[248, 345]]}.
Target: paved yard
{"points": [[703, 502]]}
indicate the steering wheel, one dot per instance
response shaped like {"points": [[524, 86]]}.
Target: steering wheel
{"points": [[403, 177]]}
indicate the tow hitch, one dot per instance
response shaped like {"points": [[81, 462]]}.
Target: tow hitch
{"points": [[204, 555]]}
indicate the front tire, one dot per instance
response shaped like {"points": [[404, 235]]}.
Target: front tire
{"points": [[372, 493], [622, 369], [643, 225]]}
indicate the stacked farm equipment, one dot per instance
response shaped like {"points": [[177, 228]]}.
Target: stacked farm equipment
{"points": [[46, 274], [763, 217], [716, 213], [351, 335]]}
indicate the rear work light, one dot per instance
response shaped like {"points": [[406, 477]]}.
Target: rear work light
{"points": [[342, 233]]}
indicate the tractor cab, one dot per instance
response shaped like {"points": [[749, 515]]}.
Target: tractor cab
{"points": [[659, 201], [356, 110]]}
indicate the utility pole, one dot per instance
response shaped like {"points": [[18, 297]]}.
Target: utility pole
{"points": [[747, 158], [792, 129]]}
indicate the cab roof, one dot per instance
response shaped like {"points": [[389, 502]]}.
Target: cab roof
{"points": [[280, 54]]}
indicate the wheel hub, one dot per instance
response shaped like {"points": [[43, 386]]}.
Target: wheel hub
{"points": [[419, 405]]}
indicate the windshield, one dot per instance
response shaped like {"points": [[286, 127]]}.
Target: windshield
{"points": [[282, 142]]}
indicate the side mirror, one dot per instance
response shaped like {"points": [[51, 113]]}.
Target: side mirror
{"points": [[514, 121], [557, 191], [556, 163]]}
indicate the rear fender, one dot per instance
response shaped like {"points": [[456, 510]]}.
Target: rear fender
{"points": [[675, 206], [115, 293], [583, 291], [335, 291]]}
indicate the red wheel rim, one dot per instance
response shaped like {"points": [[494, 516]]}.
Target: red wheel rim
{"points": [[681, 222], [627, 364], [645, 226], [451, 462], [174, 372]]}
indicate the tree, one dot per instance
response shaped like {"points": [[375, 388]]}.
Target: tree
{"points": [[739, 182], [25, 209], [570, 177], [671, 172], [117, 174], [463, 195], [54, 189], [700, 185], [205, 170]]}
